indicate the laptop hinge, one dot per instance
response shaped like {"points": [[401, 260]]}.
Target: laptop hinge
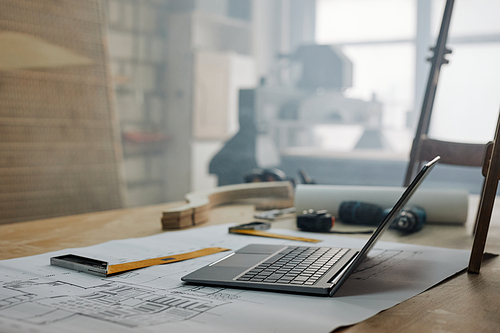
{"points": [[335, 279]]}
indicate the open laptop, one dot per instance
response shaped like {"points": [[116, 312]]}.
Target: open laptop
{"points": [[298, 269]]}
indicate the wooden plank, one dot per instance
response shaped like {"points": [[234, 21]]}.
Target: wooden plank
{"points": [[177, 223], [34, 205], [56, 119], [14, 183], [55, 156], [200, 202]]}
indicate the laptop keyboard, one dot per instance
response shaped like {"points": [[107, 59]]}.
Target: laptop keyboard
{"points": [[295, 265]]}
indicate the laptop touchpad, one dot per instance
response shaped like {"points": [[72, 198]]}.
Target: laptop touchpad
{"points": [[242, 260]]}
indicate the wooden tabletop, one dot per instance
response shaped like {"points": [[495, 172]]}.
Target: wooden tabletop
{"points": [[463, 303]]}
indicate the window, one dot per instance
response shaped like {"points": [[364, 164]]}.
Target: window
{"points": [[380, 38]]}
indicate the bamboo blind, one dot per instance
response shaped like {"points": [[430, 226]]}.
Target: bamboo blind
{"points": [[59, 152]]}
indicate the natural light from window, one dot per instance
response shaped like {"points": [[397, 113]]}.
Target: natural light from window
{"points": [[379, 37]]}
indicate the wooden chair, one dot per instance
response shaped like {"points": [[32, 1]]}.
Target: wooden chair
{"points": [[487, 156]]}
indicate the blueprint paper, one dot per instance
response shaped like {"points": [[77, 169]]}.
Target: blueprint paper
{"points": [[37, 297]]}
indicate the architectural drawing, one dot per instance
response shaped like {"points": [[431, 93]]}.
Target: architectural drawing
{"points": [[37, 297], [380, 261], [119, 303]]}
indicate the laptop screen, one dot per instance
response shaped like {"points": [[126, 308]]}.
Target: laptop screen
{"points": [[396, 209]]}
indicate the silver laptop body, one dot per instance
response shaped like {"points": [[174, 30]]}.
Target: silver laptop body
{"points": [[298, 269]]}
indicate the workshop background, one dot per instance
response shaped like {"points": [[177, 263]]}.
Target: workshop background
{"points": [[202, 92], [178, 65]]}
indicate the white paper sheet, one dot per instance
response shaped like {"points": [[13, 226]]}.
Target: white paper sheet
{"points": [[37, 297]]}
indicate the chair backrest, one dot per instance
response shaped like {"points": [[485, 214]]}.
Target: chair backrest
{"points": [[452, 153]]}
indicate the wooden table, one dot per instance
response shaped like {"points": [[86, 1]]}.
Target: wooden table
{"points": [[464, 303]]}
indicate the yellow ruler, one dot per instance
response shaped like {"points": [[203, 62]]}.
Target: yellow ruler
{"points": [[269, 234], [128, 266]]}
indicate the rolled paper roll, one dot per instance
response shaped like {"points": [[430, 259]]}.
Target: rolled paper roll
{"points": [[441, 205]]}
